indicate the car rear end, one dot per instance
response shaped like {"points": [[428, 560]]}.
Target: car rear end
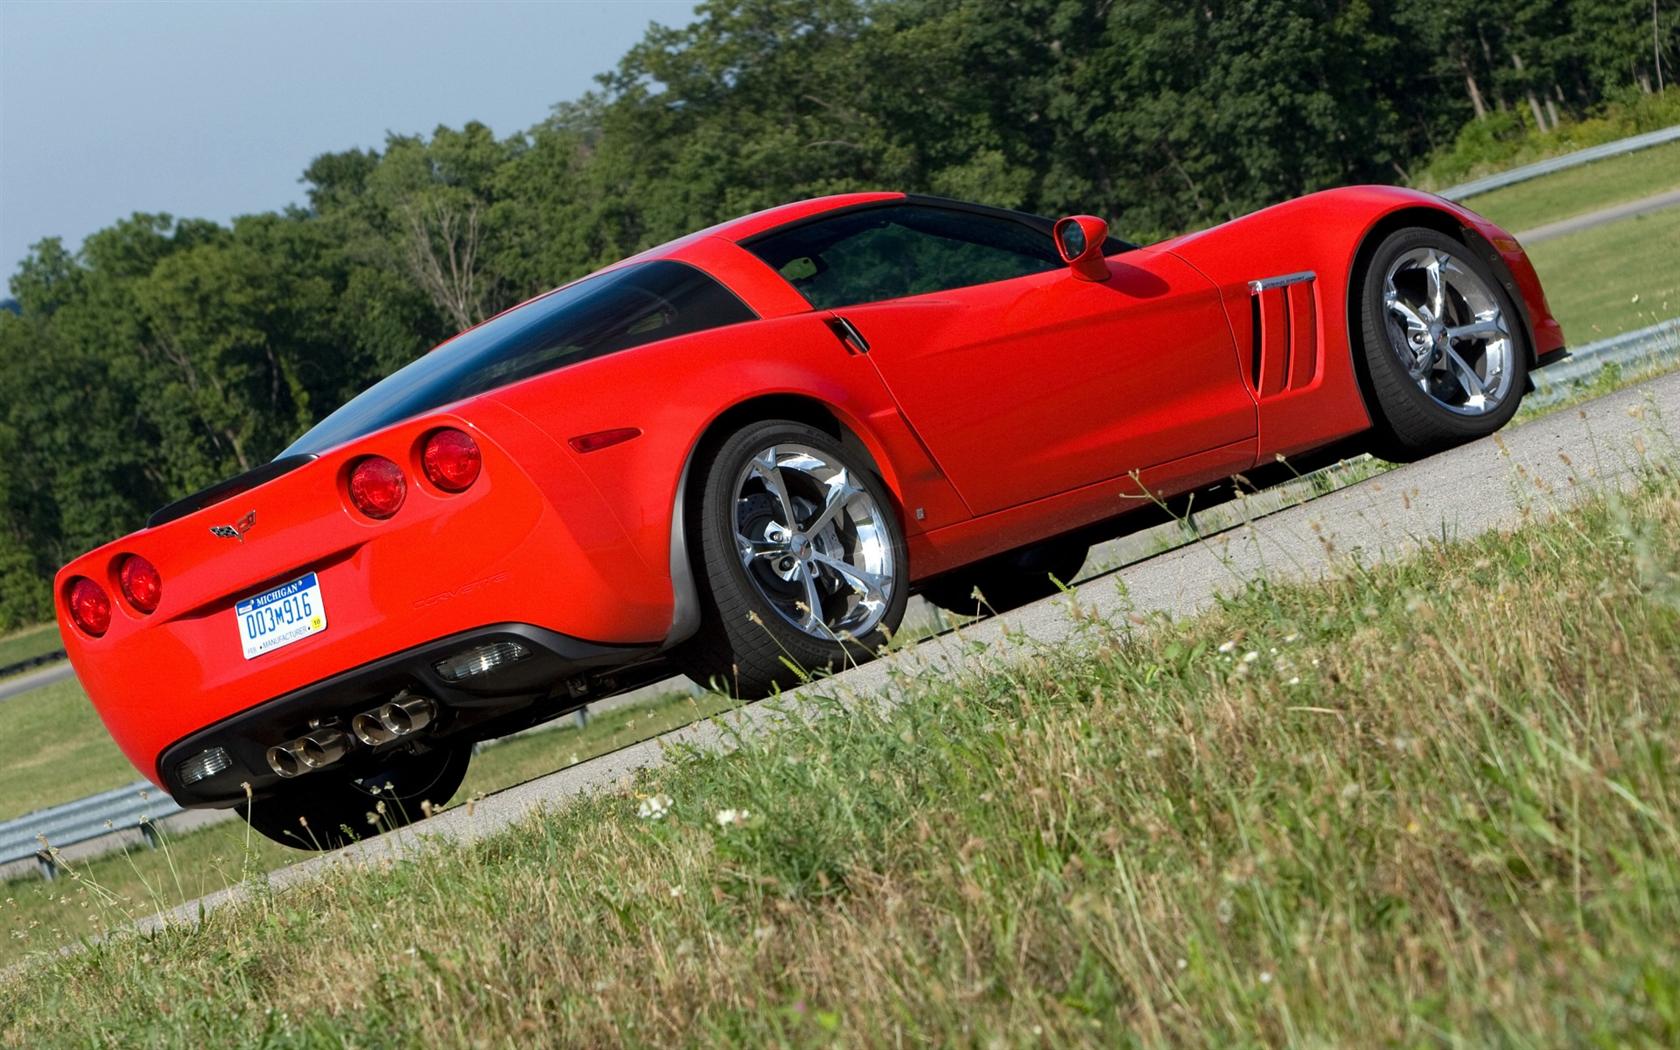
{"points": [[458, 557]]}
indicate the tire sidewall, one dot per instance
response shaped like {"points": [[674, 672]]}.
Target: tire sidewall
{"points": [[722, 566], [1413, 419]]}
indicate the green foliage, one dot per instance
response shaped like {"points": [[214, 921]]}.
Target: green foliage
{"points": [[1504, 140], [165, 354]]}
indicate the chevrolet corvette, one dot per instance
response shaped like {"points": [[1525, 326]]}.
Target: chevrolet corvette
{"points": [[737, 455]]}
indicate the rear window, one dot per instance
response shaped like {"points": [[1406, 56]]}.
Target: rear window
{"points": [[596, 316]]}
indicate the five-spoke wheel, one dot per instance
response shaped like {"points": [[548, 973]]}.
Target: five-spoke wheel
{"points": [[814, 542], [802, 563], [1443, 345]]}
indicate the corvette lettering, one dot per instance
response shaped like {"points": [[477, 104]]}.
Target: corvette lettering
{"points": [[459, 592]]}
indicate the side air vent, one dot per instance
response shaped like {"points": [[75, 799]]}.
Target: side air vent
{"points": [[1283, 314]]}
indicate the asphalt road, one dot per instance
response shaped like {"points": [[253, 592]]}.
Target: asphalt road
{"points": [[1493, 484], [23, 683], [1614, 213]]}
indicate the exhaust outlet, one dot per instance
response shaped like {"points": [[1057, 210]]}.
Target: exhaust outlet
{"points": [[316, 749], [323, 747], [285, 761], [403, 716]]}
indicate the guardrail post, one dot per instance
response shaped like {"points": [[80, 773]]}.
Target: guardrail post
{"points": [[47, 866], [153, 837]]}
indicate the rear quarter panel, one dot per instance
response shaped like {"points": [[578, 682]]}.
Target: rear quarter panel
{"points": [[674, 391]]}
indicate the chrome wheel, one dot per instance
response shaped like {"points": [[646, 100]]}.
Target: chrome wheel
{"points": [[1448, 330], [813, 542]]}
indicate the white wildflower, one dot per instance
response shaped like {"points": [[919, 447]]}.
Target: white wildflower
{"points": [[1296, 680], [1265, 977], [727, 817], [654, 807], [1250, 656], [1226, 647]]}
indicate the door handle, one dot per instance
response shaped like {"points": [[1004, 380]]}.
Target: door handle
{"points": [[849, 336]]}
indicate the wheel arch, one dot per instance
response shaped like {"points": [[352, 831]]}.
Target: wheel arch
{"points": [[794, 406], [1443, 222]]}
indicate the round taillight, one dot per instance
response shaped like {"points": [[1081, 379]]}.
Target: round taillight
{"points": [[377, 487], [141, 584], [452, 460], [89, 605]]}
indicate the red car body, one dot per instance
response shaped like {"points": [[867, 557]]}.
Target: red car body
{"points": [[997, 414]]}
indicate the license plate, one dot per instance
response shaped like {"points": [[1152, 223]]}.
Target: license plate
{"points": [[287, 614]]}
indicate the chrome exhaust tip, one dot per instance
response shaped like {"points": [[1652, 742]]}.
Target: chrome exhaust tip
{"points": [[402, 716], [316, 749], [322, 747], [285, 761]]}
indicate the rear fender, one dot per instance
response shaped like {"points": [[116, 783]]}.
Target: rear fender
{"points": [[710, 384]]}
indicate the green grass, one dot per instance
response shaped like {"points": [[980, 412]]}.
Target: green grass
{"points": [[29, 643], [1614, 278], [1577, 191], [118, 889], [1429, 802], [60, 751], [517, 759]]}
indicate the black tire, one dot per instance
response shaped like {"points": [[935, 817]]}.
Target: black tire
{"points": [[1408, 423], [746, 645], [1008, 581], [327, 810]]}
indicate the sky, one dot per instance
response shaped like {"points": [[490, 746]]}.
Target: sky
{"points": [[213, 110]]}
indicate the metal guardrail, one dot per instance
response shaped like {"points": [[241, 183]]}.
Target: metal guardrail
{"points": [[1554, 164], [32, 663], [135, 807], [1630, 349]]}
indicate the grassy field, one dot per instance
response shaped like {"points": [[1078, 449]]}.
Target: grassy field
{"points": [[121, 888], [1614, 278], [1576, 191], [1429, 802], [29, 643], [71, 755], [68, 753]]}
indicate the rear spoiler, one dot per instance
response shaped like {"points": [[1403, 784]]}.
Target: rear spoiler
{"points": [[228, 489]]}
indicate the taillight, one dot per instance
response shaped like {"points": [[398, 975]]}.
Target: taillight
{"points": [[141, 584], [89, 605], [451, 460], [377, 487]]}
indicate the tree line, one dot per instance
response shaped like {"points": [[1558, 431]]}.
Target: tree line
{"points": [[166, 354]]}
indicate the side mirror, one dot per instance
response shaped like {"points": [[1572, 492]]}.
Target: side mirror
{"points": [[1080, 239]]}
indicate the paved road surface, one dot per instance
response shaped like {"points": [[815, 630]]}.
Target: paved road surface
{"points": [[1491, 484], [23, 683], [1666, 199]]}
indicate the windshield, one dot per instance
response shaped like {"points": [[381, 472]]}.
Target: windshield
{"points": [[598, 315]]}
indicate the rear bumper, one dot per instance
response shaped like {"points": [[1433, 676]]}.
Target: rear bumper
{"points": [[554, 661]]}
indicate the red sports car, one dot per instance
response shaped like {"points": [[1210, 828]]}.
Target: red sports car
{"points": [[741, 452]]}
